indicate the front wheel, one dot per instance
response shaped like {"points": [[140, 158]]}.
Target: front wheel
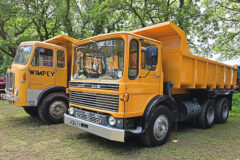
{"points": [[159, 128], [32, 111], [53, 107]]}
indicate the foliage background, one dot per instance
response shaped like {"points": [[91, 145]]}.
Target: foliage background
{"points": [[211, 26]]}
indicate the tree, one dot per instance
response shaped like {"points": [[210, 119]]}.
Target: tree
{"points": [[92, 17], [12, 27], [211, 26], [42, 14], [227, 40]]}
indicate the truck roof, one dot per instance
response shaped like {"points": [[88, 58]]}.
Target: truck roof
{"points": [[39, 42], [62, 40], [116, 33]]}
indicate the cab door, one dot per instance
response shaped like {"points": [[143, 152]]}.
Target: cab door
{"points": [[61, 67], [143, 84], [42, 69]]}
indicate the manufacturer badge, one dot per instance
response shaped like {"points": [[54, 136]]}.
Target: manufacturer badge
{"points": [[96, 86]]}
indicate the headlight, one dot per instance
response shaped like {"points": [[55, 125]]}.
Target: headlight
{"points": [[71, 110], [16, 91], [112, 121]]}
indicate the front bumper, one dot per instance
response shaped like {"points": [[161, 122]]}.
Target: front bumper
{"points": [[9, 98], [113, 134]]}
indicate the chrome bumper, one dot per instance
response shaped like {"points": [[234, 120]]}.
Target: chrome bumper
{"points": [[113, 134], [9, 98]]}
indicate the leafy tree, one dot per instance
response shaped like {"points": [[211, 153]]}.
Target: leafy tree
{"points": [[211, 26], [5, 63], [12, 27], [93, 17], [227, 39], [42, 15]]}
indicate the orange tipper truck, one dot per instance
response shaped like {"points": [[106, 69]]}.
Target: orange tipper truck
{"points": [[145, 82], [38, 78]]}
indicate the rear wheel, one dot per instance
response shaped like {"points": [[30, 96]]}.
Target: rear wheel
{"points": [[32, 111], [222, 110], [53, 108], [207, 115], [159, 128]]}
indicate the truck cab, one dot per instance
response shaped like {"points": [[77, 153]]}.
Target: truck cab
{"points": [[38, 78], [114, 77]]}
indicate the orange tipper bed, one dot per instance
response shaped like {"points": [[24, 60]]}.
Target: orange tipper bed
{"points": [[183, 68]]}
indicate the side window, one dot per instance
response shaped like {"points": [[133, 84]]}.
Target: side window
{"points": [[143, 54], [43, 57], [60, 59], [133, 59]]}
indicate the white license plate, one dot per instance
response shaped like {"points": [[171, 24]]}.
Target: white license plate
{"points": [[77, 124]]}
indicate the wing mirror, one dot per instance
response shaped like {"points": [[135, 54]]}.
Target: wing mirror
{"points": [[151, 56]]}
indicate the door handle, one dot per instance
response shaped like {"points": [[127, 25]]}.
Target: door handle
{"points": [[156, 76]]}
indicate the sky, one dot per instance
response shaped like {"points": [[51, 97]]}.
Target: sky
{"points": [[232, 62]]}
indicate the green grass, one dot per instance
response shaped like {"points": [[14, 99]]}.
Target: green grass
{"points": [[24, 137], [3, 103], [236, 105]]}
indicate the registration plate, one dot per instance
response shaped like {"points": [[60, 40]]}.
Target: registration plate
{"points": [[91, 117], [78, 125]]}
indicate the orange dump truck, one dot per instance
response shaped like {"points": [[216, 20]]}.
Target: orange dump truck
{"points": [[154, 84], [38, 77]]}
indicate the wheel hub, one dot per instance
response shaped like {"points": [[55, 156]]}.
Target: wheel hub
{"points": [[225, 111], [57, 109], [160, 127], [210, 114]]}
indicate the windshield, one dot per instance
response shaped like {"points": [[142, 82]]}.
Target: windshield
{"points": [[100, 60], [23, 54]]}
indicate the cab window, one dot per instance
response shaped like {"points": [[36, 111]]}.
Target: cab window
{"points": [[143, 53], [43, 57], [60, 59], [133, 59]]}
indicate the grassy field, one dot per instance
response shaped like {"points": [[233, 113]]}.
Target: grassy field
{"points": [[24, 137]]}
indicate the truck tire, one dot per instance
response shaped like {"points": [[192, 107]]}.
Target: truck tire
{"points": [[53, 107], [159, 128], [32, 111], [222, 110], [207, 114]]}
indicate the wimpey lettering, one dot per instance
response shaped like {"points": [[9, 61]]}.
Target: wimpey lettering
{"points": [[41, 73]]}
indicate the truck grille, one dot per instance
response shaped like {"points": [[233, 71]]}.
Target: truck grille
{"points": [[103, 86], [10, 82], [108, 102]]}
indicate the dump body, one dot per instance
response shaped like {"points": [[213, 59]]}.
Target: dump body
{"points": [[187, 71]]}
